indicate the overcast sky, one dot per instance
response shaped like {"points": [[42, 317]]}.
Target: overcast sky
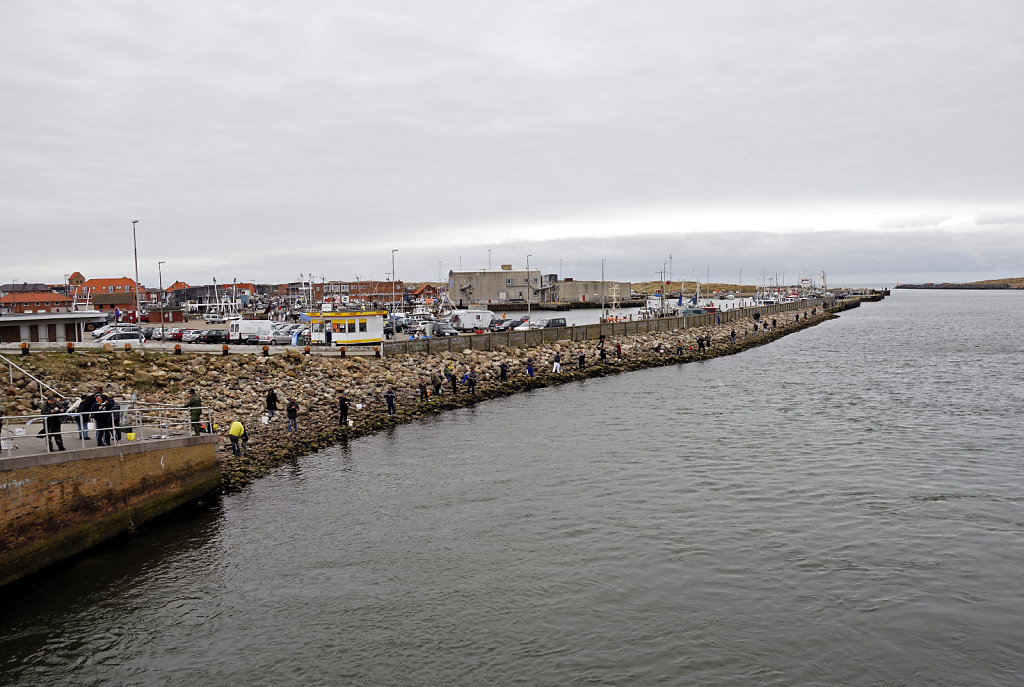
{"points": [[875, 141]]}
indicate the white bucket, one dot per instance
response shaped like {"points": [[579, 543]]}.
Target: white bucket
{"points": [[6, 444], [91, 426], [265, 419], [349, 423]]}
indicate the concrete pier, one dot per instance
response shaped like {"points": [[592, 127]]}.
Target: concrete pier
{"points": [[54, 505]]}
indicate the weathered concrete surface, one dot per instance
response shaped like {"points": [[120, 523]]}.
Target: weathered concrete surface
{"points": [[55, 505]]}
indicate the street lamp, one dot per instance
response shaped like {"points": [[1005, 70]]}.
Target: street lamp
{"points": [[603, 314], [394, 304], [528, 286], [160, 274], [135, 247]]}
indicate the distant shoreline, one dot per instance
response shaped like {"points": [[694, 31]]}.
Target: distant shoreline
{"points": [[969, 286]]}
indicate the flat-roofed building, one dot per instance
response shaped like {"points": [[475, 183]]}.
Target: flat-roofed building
{"points": [[495, 287], [590, 291], [56, 328]]}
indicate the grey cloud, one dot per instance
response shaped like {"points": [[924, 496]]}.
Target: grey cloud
{"points": [[247, 129]]}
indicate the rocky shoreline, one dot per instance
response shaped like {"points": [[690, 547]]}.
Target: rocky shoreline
{"points": [[235, 386]]}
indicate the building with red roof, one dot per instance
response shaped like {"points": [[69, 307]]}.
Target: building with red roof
{"points": [[34, 302]]}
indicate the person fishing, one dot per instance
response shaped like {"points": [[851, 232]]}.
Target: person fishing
{"points": [[53, 409], [101, 411], [195, 405], [343, 406], [271, 404], [292, 411], [239, 438]]}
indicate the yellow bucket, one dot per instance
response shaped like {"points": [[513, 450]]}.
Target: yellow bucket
{"points": [[131, 436]]}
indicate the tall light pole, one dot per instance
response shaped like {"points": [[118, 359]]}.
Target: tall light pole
{"points": [[602, 288], [135, 247], [528, 286], [394, 305], [160, 274], [488, 258]]}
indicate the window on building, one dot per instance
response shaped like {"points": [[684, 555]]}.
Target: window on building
{"points": [[362, 325], [351, 326], [508, 282]]}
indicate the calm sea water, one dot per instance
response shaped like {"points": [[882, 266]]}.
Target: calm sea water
{"points": [[843, 506]]}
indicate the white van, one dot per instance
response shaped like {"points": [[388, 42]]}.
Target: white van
{"points": [[243, 331], [472, 320]]}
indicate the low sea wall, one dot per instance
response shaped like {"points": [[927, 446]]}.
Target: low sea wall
{"points": [[54, 505], [490, 341]]}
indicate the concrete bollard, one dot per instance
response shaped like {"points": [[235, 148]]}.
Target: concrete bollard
{"points": [[127, 348], [306, 350], [24, 348], [266, 351], [376, 351], [224, 349], [71, 346], [177, 349], [341, 351]]}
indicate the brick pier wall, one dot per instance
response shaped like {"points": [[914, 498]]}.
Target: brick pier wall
{"points": [[55, 505]]}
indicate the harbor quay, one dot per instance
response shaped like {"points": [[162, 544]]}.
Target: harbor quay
{"points": [[426, 378]]}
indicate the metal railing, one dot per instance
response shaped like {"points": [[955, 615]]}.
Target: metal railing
{"points": [[49, 432], [12, 366]]}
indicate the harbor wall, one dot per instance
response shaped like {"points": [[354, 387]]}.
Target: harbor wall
{"points": [[55, 505], [490, 341]]}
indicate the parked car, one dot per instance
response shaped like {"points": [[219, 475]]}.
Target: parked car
{"points": [[173, 334], [509, 324], [122, 337], [190, 335], [439, 329], [212, 336], [542, 324], [214, 318], [279, 336], [115, 327]]}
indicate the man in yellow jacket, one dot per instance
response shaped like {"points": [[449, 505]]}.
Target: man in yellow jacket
{"points": [[238, 435]]}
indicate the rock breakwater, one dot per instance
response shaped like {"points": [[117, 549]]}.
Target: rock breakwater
{"points": [[234, 387]]}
